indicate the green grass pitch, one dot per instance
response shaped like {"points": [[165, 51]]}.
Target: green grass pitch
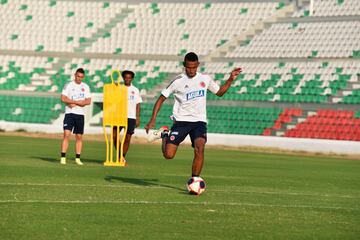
{"points": [[248, 195]]}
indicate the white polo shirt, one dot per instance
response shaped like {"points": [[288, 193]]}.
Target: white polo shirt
{"points": [[190, 96], [76, 92], [133, 99]]}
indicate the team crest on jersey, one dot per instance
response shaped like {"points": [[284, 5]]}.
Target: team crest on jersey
{"points": [[202, 84], [195, 94], [172, 138], [83, 90]]}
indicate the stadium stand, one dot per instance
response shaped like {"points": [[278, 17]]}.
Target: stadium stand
{"points": [[176, 28], [338, 39], [58, 26], [29, 109], [328, 124], [301, 62], [325, 8]]}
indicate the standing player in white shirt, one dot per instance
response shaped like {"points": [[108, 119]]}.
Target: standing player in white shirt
{"points": [[134, 100], [76, 95], [189, 111]]}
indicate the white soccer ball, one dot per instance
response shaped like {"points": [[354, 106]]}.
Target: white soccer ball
{"points": [[196, 185]]}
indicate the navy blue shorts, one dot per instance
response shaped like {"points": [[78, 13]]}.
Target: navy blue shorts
{"points": [[180, 130], [131, 126], [74, 123]]}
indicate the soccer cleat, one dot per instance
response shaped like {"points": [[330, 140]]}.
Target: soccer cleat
{"points": [[63, 160], [78, 162], [124, 161], [157, 134]]}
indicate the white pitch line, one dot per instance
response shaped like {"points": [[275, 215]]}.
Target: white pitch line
{"points": [[134, 202], [156, 186]]}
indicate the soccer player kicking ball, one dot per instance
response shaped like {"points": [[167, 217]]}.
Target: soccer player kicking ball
{"points": [[76, 95], [189, 111], [134, 100]]}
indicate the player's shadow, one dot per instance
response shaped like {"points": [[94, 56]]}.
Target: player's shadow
{"points": [[142, 182], [57, 160], [97, 161], [47, 159]]}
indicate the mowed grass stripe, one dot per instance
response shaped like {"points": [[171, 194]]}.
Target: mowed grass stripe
{"points": [[179, 203], [226, 190]]}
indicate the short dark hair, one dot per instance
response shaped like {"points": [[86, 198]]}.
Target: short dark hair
{"points": [[191, 57], [123, 73], [80, 70]]}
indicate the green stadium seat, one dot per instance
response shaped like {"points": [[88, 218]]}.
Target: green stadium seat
{"points": [[185, 36], [132, 25], [52, 3], [70, 14], [243, 10], [207, 5], [181, 21], [106, 5]]}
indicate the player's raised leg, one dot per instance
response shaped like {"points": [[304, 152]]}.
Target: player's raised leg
{"points": [[157, 134], [168, 150]]}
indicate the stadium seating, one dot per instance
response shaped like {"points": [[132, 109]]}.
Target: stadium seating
{"points": [[331, 8], [328, 124], [229, 119], [294, 82], [176, 28], [148, 75], [292, 66], [303, 40], [29, 109], [58, 26], [23, 73]]}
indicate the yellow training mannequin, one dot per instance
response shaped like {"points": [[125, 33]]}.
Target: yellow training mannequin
{"points": [[115, 109]]}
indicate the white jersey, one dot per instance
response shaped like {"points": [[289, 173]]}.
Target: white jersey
{"points": [[190, 96], [133, 99], [76, 92]]}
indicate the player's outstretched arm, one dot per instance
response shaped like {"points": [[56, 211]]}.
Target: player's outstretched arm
{"points": [[233, 75], [156, 109]]}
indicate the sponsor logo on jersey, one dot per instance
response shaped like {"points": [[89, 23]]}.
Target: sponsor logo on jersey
{"points": [[174, 133], [195, 94], [202, 84], [83, 90]]}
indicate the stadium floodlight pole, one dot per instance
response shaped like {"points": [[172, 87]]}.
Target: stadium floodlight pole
{"points": [[115, 113]]}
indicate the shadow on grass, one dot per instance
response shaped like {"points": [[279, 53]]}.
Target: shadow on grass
{"points": [[143, 182], [57, 160], [47, 159]]}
